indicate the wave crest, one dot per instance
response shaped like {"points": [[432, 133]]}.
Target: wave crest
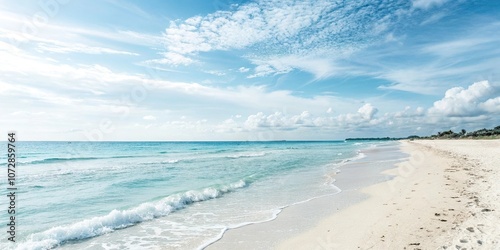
{"points": [[118, 219], [246, 155]]}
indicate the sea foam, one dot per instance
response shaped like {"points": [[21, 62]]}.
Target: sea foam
{"points": [[118, 219], [246, 155], [66, 159]]}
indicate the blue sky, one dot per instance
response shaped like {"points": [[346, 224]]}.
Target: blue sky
{"points": [[247, 70]]}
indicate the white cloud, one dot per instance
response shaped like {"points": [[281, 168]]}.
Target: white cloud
{"points": [[37, 94], [149, 118], [278, 47], [438, 75], [434, 18], [459, 46], [188, 125], [13, 28], [478, 99], [408, 112], [89, 78], [426, 4], [275, 125], [256, 121], [278, 121], [282, 35], [228, 125], [391, 38], [442, 64], [271, 67], [215, 72], [367, 111], [492, 105], [41, 44], [59, 47], [249, 24], [100, 80], [171, 58], [420, 111], [321, 38], [304, 119], [320, 66], [143, 39], [243, 70]]}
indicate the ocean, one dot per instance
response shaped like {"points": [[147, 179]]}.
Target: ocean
{"points": [[173, 195]]}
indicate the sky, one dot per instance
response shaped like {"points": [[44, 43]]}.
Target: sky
{"points": [[247, 70]]}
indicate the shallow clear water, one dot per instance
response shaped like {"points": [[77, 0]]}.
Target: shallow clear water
{"points": [[174, 194]]}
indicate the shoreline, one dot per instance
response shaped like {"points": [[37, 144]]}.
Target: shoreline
{"points": [[445, 196], [321, 177], [331, 182], [295, 218]]}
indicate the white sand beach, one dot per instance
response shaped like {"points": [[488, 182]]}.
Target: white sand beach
{"points": [[447, 196]]}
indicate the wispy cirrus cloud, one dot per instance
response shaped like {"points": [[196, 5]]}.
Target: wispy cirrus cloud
{"points": [[169, 58], [271, 33], [18, 29], [243, 69], [132, 8], [250, 24], [328, 39], [462, 46], [443, 64], [96, 80], [320, 66], [434, 18], [65, 48], [41, 44], [426, 4]]}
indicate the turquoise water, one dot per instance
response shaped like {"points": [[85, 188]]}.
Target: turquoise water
{"points": [[174, 194]]}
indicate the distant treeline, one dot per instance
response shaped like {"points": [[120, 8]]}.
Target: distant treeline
{"points": [[374, 139], [481, 133]]}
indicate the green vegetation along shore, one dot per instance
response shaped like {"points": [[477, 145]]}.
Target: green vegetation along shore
{"points": [[449, 134]]}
